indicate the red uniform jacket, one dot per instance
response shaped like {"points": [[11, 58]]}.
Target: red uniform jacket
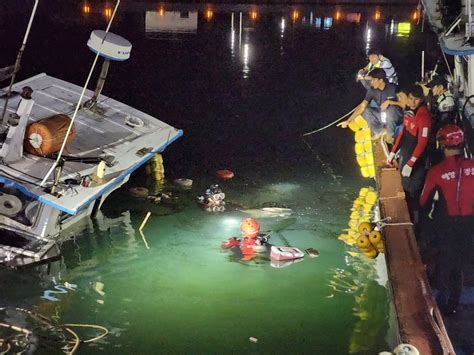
{"points": [[454, 178], [418, 127]]}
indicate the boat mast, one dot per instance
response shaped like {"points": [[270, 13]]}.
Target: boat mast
{"points": [[58, 159], [17, 66], [470, 58]]}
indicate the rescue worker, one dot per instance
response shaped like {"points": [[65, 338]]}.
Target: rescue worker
{"points": [[377, 60], [252, 241], [453, 179], [444, 110], [411, 145], [443, 106], [378, 119]]}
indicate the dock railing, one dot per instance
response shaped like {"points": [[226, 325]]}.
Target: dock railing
{"points": [[419, 320]]}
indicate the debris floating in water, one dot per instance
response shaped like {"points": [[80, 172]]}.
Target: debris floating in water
{"points": [[312, 253], [253, 339]]}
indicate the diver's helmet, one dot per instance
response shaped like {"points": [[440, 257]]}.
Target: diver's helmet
{"points": [[250, 228]]}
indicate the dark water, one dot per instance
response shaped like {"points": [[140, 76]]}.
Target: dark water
{"points": [[243, 99]]}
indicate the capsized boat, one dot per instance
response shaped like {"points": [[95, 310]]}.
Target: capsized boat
{"points": [[106, 143]]}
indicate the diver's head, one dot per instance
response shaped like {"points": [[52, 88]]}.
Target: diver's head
{"points": [[250, 228]]}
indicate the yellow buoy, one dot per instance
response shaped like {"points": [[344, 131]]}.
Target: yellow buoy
{"points": [[375, 237], [361, 160], [363, 242], [372, 253], [369, 158], [365, 228], [368, 146], [157, 158], [367, 133], [371, 197], [361, 123], [371, 169], [359, 148], [359, 136], [354, 126], [365, 171]]}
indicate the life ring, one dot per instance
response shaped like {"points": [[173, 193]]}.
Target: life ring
{"points": [[184, 182], [10, 205], [224, 174], [138, 192]]}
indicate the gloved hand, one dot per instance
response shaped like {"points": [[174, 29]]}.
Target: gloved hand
{"points": [[390, 158], [406, 171]]}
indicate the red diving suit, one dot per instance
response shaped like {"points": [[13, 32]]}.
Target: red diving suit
{"points": [[453, 178], [412, 142], [251, 243]]}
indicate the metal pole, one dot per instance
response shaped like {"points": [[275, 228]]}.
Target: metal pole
{"points": [[422, 65], [17, 62], [80, 100]]}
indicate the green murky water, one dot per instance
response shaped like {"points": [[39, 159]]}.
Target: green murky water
{"points": [[186, 295]]}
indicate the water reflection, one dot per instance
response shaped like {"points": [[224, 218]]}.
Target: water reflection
{"points": [[171, 22]]}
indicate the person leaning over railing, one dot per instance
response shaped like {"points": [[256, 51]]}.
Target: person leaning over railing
{"points": [[453, 179], [378, 119]]}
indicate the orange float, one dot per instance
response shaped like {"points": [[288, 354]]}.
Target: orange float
{"points": [[46, 136], [225, 174]]}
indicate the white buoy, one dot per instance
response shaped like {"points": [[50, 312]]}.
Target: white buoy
{"points": [[114, 47]]}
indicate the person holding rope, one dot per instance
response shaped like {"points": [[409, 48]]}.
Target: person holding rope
{"points": [[382, 117], [453, 179]]}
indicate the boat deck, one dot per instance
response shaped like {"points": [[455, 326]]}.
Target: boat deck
{"points": [[100, 133]]}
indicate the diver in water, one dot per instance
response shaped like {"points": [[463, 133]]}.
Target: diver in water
{"points": [[213, 199], [252, 241]]}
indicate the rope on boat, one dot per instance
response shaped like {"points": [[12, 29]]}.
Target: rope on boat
{"points": [[447, 64], [50, 171], [330, 124]]}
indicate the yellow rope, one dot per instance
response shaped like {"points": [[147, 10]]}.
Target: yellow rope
{"points": [[330, 124], [105, 331], [76, 340]]}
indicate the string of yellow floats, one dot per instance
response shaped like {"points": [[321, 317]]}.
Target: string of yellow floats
{"points": [[361, 232], [363, 146]]}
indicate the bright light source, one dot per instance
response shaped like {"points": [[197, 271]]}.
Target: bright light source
{"points": [[295, 15], [377, 15], [253, 15], [209, 14], [338, 15], [86, 9], [108, 12], [404, 29], [161, 11], [327, 23]]}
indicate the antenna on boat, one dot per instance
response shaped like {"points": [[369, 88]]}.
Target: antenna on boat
{"points": [[115, 48], [101, 50], [16, 68]]}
